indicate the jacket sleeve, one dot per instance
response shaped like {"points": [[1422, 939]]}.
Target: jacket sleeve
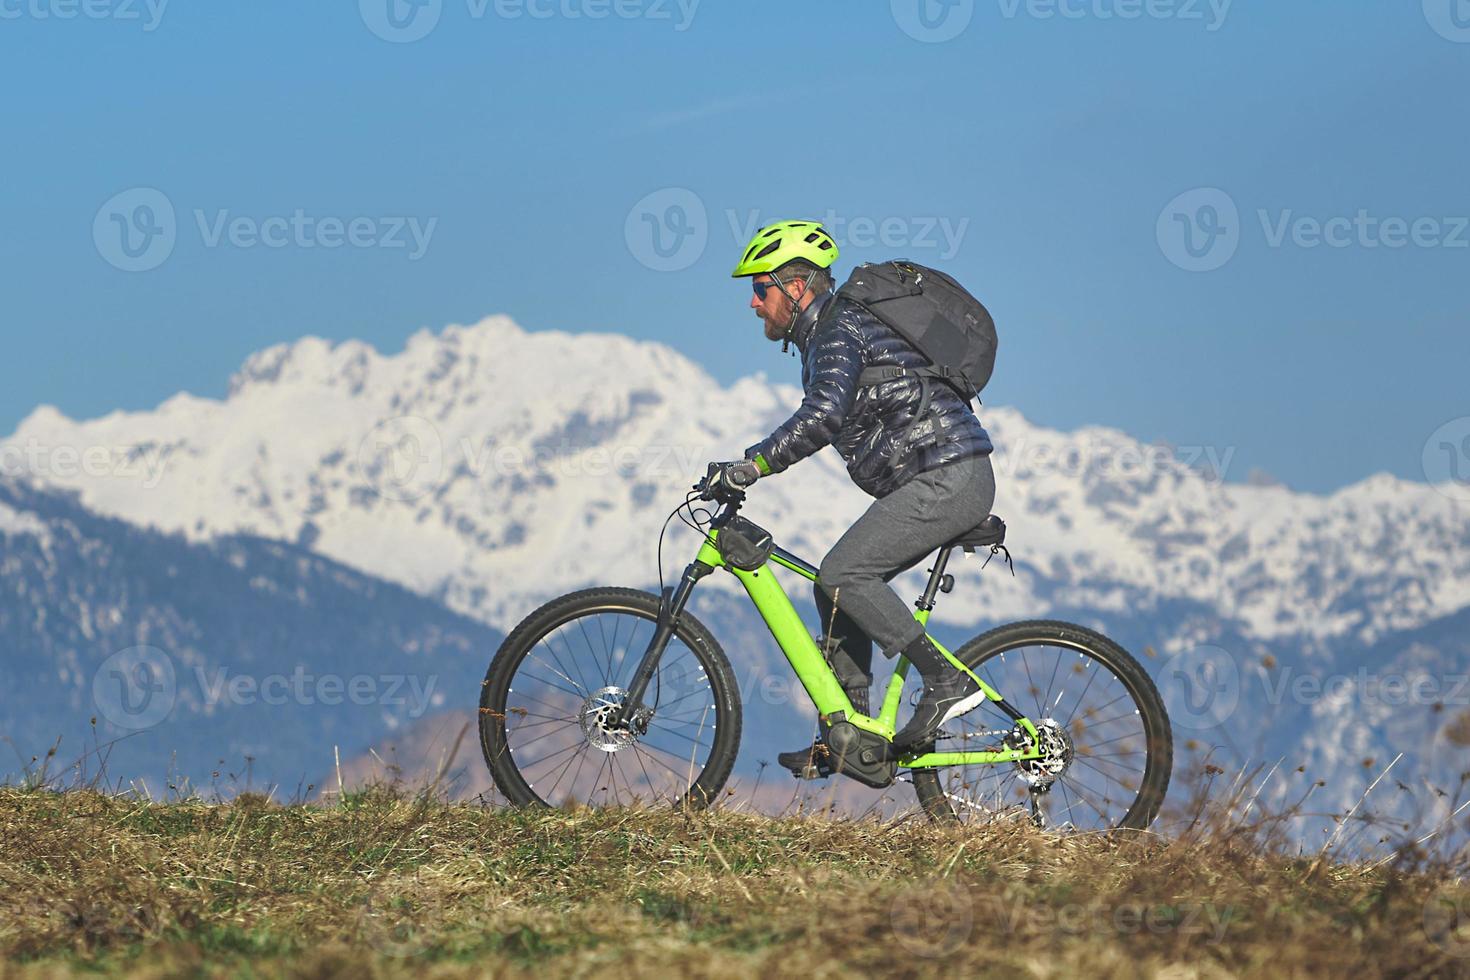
{"points": [[836, 359]]}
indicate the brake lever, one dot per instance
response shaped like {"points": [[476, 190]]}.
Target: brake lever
{"points": [[709, 487]]}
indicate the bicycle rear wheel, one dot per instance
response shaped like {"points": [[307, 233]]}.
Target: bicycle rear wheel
{"points": [[1103, 725], [547, 703]]}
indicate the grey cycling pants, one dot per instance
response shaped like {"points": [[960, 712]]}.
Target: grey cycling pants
{"points": [[854, 599]]}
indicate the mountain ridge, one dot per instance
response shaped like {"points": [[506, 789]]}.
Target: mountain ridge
{"points": [[534, 447]]}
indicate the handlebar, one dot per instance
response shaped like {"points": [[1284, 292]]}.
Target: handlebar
{"points": [[721, 485]]}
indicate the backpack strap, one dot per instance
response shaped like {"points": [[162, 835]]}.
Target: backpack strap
{"points": [[955, 379], [877, 375]]}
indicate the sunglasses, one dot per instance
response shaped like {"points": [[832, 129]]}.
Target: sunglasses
{"points": [[762, 287]]}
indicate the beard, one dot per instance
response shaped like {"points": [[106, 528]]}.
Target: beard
{"points": [[776, 325]]}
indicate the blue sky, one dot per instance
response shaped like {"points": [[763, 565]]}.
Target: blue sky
{"points": [[1053, 154]]}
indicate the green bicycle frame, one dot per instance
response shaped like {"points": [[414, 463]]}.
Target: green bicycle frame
{"points": [[821, 683]]}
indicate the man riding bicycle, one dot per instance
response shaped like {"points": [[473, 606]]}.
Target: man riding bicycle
{"points": [[913, 444]]}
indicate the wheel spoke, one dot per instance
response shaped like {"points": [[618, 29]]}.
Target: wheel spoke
{"points": [[576, 694]]}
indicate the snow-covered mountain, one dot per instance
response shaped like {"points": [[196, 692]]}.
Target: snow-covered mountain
{"points": [[493, 467], [488, 468]]}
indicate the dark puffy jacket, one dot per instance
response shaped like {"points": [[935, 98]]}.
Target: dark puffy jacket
{"points": [[873, 427]]}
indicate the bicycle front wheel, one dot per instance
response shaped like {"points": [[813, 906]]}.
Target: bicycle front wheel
{"points": [[552, 690], [1105, 734]]}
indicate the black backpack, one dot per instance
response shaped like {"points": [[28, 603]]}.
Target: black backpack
{"points": [[934, 313]]}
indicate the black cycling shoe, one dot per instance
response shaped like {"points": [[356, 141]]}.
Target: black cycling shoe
{"points": [[948, 693], [812, 761], [808, 763], [942, 700]]}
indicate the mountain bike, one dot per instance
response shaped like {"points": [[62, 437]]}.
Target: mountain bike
{"points": [[612, 696]]}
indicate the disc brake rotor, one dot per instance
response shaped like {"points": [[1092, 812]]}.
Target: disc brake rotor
{"points": [[595, 717], [1057, 751]]}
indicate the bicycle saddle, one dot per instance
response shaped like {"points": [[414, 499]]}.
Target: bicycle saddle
{"points": [[991, 531]]}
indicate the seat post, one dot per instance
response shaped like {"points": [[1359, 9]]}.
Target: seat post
{"points": [[936, 579]]}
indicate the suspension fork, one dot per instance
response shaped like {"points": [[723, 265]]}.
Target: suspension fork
{"points": [[670, 607]]}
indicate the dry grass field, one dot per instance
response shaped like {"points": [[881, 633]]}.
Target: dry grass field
{"points": [[387, 883]]}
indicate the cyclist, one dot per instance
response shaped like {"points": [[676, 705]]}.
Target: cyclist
{"points": [[931, 472]]}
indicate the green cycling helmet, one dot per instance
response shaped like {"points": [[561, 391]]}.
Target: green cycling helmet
{"points": [[776, 244]]}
